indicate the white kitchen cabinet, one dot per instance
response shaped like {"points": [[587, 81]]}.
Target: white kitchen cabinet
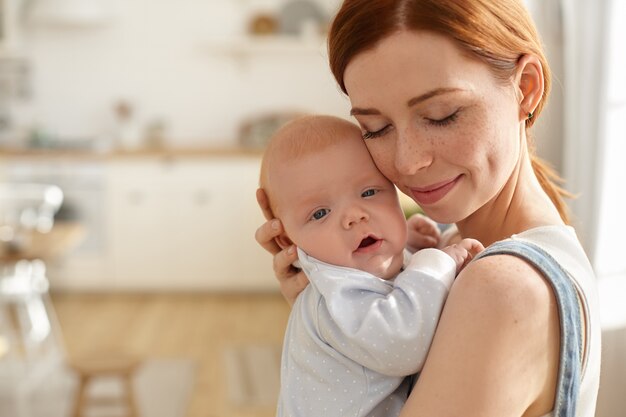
{"points": [[135, 217], [186, 223]]}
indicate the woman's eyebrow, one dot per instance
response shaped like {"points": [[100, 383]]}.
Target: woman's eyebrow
{"points": [[430, 94], [412, 102], [365, 112]]}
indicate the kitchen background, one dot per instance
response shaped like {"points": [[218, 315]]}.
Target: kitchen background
{"points": [[157, 98], [150, 116]]}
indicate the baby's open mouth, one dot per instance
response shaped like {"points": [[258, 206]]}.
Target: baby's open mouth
{"points": [[368, 241]]}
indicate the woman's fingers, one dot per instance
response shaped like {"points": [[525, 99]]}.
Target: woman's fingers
{"points": [[283, 263], [266, 233], [290, 288], [291, 279]]}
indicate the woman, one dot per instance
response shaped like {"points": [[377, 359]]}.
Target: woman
{"points": [[445, 92]]}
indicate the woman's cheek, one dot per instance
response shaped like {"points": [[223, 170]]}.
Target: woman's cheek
{"points": [[383, 154]]}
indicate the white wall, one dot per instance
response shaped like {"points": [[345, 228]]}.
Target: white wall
{"points": [[156, 54], [609, 258]]}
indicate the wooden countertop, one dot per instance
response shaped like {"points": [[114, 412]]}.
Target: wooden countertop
{"points": [[225, 151], [63, 237]]}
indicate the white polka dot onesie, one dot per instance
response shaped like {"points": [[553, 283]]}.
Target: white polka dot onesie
{"points": [[352, 338]]}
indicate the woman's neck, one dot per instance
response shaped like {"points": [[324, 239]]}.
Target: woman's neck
{"points": [[520, 205]]}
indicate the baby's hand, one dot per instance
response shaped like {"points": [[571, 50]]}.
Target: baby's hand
{"points": [[423, 233], [463, 252]]}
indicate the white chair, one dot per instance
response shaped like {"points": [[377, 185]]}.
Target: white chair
{"points": [[31, 346], [25, 211]]}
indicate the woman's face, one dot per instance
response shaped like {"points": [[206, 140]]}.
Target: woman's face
{"points": [[437, 123]]}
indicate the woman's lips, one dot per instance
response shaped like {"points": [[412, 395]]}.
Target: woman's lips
{"points": [[434, 192]]}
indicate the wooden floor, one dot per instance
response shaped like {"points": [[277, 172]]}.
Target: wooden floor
{"points": [[178, 325]]}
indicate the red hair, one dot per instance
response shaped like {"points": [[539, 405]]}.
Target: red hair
{"points": [[497, 32]]}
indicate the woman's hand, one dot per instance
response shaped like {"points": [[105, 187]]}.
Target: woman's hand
{"points": [[423, 233], [291, 279]]}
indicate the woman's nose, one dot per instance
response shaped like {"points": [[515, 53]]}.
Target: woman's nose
{"points": [[353, 216], [412, 154]]}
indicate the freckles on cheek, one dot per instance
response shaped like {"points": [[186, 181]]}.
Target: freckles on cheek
{"points": [[484, 147], [463, 153]]}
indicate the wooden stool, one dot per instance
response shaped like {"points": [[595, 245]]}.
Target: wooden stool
{"points": [[105, 365]]}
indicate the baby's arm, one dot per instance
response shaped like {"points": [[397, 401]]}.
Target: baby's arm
{"points": [[386, 328], [463, 252]]}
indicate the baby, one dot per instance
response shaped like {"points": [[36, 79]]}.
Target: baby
{"points": [[367, 319]]}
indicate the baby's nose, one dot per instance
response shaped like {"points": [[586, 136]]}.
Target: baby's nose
{"points": [[354, 216]]}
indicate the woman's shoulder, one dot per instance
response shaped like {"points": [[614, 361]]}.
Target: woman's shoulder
{"points": [[511, 282], [499, 325], [504, 286]]}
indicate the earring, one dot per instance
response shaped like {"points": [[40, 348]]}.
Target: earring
{"points": [[530, 115]]}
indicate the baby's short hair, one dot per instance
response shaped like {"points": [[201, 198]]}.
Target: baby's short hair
{"points": [[301, 137]]}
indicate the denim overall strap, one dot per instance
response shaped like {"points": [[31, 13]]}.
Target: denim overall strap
{"points": [[569, 376]]}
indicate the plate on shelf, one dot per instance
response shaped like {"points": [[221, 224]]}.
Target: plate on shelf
{"points": [[255, 132], [302, 17]]}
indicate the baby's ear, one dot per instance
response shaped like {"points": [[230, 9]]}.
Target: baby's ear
{"points": [[283, 241]]}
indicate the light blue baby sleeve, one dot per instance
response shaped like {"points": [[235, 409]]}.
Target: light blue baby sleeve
{"points": [[382, 325]]}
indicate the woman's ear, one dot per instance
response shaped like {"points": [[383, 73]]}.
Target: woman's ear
{"points": [[529, 85], [283, 241]]}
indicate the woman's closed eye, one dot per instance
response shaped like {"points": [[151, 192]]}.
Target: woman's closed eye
{"points": [[320, 213], [444, 121], [374, 134]]}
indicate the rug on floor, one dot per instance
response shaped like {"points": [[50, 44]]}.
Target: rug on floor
{"points": [[163, 388], [252, 374]]}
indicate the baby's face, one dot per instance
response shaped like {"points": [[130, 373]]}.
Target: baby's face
{"points": [[337, 207]]}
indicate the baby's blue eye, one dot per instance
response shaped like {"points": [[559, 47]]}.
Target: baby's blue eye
{"points": [[320, 213], [368, 193]]}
